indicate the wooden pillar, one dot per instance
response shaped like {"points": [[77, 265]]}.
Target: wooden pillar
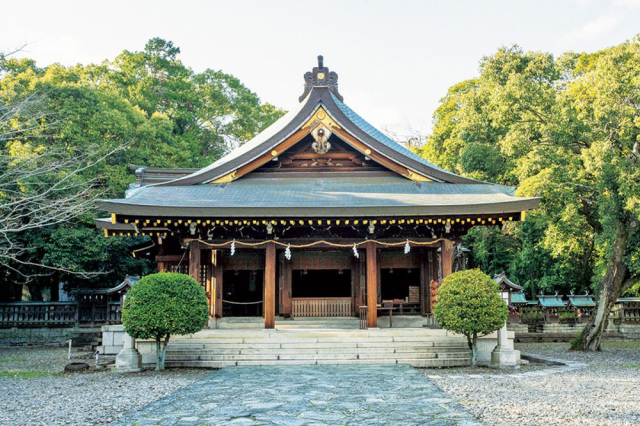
{"points": [[161, 265], [286, 288], [211, 289], [218, 270], [194, 260], [446, 251], [424, 281], [372, 285], [270, 286], [355, 285], [432, 273]]}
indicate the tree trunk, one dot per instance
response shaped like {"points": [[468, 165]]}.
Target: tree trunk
{"points": [[473, 345], [161, 351], [612, 288], [35, 290], [159, 363], [164, 350]]}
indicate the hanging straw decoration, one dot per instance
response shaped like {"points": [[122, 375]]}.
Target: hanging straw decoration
{"points": [[287, 252], [407, 248], [233, 247], [355, 251]]}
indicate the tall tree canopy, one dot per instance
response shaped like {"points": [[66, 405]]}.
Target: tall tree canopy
{"points": [[144, 108], [566, 130]]}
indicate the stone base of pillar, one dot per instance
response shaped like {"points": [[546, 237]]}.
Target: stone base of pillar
{"points": [[129, 360], [502, 357]]}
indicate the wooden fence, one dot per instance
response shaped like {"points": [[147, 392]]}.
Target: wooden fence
{"points": [[627, 311], [321, 307], [58, 314]]}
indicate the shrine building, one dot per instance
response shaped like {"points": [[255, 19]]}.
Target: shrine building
{"points": [[319, 215]]}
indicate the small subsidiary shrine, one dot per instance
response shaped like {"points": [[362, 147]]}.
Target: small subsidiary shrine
{"points": [[319, 215]]}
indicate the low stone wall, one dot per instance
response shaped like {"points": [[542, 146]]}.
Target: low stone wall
{"points": [[42, 336], [566, 332], [630, 331], [518, 328]]}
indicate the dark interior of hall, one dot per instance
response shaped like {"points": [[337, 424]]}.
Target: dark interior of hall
{"points": [[321, 283], [241, 289], [395, 282]]}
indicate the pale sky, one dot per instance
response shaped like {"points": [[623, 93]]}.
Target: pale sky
{"points": [[395, 59]]}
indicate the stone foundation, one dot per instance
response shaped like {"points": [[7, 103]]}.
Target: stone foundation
{"points": [[43, 336]]}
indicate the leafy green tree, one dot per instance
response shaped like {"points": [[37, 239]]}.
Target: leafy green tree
{"points": [[163, 304], [566, 130], [145, 108], [469, 303]]}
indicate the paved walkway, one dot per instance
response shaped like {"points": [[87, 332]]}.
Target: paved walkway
{"points": [[301, 395]]}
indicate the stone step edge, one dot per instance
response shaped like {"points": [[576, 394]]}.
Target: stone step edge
{"points": [[420, 363]]}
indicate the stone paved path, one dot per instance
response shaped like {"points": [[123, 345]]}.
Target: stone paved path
{"points": [[302, 395]]}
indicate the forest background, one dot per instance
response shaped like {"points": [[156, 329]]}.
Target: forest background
{"points": [[565, 129]]}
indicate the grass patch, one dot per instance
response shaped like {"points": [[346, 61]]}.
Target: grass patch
{"points": [[23, 374], [12, 358], [576, 343]]}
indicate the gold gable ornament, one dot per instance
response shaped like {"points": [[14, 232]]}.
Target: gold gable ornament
{"points": [[321, 117]]}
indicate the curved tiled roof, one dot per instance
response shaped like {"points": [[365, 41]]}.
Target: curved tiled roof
{"points": [[331, 195], [295, 119], [381, 137]]}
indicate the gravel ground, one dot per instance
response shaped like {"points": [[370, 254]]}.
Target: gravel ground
{"points": [[34, 392], [604, 392]]}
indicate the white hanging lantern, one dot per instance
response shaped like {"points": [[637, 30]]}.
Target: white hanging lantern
{"points": [[287, 252]]}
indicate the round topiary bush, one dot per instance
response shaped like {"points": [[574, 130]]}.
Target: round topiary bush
{"points": [[163, 304], [469, 303]]}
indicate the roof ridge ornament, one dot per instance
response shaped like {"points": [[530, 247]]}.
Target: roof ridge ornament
{"points": [[320, 76]]}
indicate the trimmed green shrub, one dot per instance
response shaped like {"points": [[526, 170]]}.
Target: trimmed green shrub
{"points": [[469, 303], [163, 304]]}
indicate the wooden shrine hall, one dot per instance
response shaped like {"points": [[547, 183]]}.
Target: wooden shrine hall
{"points": [[318, 215]]}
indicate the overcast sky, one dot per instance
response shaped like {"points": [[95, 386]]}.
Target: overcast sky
{"points": [[395, 59]]}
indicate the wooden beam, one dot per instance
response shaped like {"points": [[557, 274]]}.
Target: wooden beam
{"points": [[378, 158], [265, 158], [194, 260], [270, 286], [168, 258], [372, 285]]}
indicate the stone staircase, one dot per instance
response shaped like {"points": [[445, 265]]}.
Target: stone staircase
{"points": [[422, 348]]}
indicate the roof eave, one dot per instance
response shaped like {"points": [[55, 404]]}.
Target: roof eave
{"points": [[508, 207]]}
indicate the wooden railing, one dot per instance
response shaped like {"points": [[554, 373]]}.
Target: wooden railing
{"points": [[321, 307], [38, 314], [57, 314]]}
